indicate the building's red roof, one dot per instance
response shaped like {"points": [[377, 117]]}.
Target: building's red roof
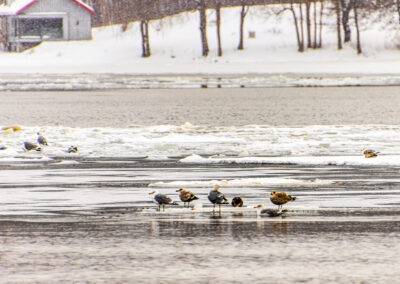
{"points": [[84, 6], [18, 6]]}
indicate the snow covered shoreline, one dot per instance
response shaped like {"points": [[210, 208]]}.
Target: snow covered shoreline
{"points": [[86, 81], [112, 59]]}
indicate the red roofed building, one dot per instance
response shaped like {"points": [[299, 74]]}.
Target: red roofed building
{"points": [[29, 22]]}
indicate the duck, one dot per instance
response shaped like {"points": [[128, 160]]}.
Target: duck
{"points": [[280, 198], [369, 153], [237, 202], [186, 196]]}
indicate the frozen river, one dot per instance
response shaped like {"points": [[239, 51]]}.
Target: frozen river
{"points": [[86, 217]]}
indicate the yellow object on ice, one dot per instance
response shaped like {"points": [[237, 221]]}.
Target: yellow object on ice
{"points": [[12, 128]]}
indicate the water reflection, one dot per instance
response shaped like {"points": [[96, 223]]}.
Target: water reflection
{"points": [[252, 248], [280, 228], [223, 227], [218, 227]]}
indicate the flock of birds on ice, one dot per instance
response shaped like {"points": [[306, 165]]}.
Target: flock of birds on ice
{"points": [[32, 146], [215, 196]]}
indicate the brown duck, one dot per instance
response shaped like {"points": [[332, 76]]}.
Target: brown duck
{"points": [[186, 196], [369, 153], [237, 202], [280, 198]]}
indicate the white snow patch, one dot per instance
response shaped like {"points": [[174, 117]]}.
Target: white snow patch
{"points": [[244, 182]]}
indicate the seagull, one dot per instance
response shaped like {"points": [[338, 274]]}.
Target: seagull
{"points": [[186, 196], [31, 146], [41, 139], [369, 153], [280, 198], [237, 202], [162, 200], [217, 197], [271, 213], [72, 149]]}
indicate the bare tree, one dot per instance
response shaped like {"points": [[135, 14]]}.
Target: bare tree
{"points": [[203, 27], [339, 36], [319, 45], [299, 33], [346, 8], [301, 24], [144, 14], [398, 8], [355, 2], [315, 25], [144, 31], [243, 14], [308, 22], [218, 12]]}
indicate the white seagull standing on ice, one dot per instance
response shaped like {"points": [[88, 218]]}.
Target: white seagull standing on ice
{"points": [[217, 197], [162, 200], [41, 139]]}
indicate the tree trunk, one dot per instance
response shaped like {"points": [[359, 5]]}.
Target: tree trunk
{"points": [[300, 43], [308, 22], [359, 51], [315, 25], [398, 8], [339, 36], [203, 28], [320, 23], [346, 8], [144, 30], [301, 25], [243, 14], [218, 12]]}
